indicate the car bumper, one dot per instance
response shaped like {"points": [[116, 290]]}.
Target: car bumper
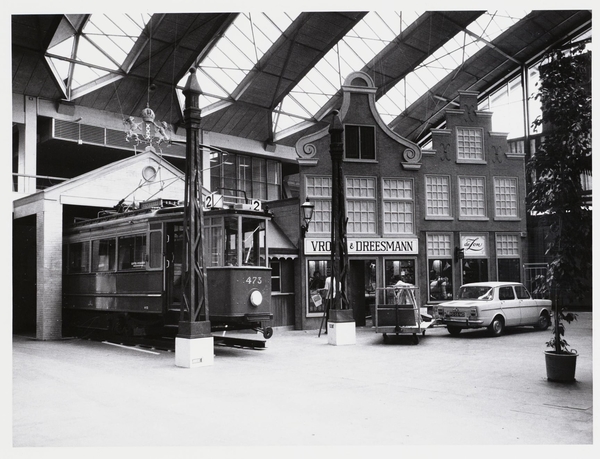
{"points": [[463, 323]]}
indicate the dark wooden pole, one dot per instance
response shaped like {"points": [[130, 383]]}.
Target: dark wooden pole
{"points": [[339, 253], [194, 273]]}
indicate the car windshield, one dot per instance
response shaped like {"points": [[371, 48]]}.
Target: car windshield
{"points": [[476, 293]]}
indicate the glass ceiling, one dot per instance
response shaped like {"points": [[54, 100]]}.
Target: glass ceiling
{"points": [[102, 44], [363, 43], [98, 49], [250, 36]]}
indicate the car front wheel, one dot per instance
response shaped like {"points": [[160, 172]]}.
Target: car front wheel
{"points": [[496, 328]]}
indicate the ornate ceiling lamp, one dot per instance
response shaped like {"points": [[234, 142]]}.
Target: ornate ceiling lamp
{"points": [[149, 132]]}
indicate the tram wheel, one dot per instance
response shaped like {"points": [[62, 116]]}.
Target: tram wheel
{"points": [[268, 332]]}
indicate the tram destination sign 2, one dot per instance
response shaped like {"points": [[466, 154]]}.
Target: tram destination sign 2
{"points": [[365, 246]]}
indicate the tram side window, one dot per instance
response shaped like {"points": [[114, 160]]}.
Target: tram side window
{"points": [[103, 255], [79, 257], [132, 252], [155, 249]]}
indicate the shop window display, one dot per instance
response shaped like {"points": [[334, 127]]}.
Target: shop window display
{"points": [[440, 279]]}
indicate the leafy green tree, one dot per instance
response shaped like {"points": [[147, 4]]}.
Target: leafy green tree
{"points": [[556, 193]]}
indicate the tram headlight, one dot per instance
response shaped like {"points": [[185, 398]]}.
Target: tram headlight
{"points": [[256, 298]]}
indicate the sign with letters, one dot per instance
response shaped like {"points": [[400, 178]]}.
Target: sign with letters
{"points": [[365, 246], [474, 245]]}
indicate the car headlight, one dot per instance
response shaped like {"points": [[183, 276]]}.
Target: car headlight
{"points": [[256, 298], [473, 312]]}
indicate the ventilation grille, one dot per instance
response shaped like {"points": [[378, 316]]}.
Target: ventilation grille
{"points": [[94, 135]]}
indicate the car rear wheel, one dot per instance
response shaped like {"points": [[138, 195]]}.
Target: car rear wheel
{"points": [[543, 322], [454, 331], [496, 328]]}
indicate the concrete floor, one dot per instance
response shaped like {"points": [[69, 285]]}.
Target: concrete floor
{"points": [[302, 391]]}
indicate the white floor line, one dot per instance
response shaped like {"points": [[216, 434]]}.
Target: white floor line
{"points": [[132, 348]]}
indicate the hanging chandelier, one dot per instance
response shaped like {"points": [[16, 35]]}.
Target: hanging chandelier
{"points": [[148, 132]]}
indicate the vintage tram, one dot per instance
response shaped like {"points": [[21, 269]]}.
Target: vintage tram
{"points": [[123, 270]]}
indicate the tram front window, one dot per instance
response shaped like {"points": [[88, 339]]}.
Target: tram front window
{"points": [[248, 249], [231, 248], [253, 242]]}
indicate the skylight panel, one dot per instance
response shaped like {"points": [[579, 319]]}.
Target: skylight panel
{"points": [[455, 52], [367, 38], [236, 53], [493, 23], [102, 46]]}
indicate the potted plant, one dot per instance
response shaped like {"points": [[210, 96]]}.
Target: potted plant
{"points": [[556, 195], [562, 360]]}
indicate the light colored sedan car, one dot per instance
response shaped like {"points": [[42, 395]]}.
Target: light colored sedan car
{"points": [[495, 305]]}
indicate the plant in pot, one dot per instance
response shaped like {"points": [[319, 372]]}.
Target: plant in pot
{"points": [[556, 196]]}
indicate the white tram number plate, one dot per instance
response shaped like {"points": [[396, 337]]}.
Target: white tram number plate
{"points": [[256, 205], [253, 280], [213, 201]]}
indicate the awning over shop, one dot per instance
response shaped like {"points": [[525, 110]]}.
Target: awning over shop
{"points": [[280, 246]]}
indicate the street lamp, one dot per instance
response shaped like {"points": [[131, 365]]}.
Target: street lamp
{"points": [[307, 213]]}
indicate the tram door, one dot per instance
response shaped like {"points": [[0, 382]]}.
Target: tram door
{"points": [[173, 264], [361, 284]]}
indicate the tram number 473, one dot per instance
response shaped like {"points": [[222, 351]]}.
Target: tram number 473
{"points": [[253, 280]]}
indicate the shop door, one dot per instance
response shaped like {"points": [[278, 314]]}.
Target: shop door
{"points": [[474, 270], [361, 289]]}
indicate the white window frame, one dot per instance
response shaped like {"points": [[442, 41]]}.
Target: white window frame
{"points": [[503, 245], [462, 192], [434, 249], [322, 201], [361, 200], [467, 157], [429, 201], [504, 252], [497, 199], [407, 202]]}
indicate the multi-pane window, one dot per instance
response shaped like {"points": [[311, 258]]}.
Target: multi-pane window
{"points": [[398, 207], [471, 192], [507, 245], [469, 142], [509, 258], [505, 197], [361, 205], [437, 195], [359, 142], [232, 174], [439, 245], [318, 189], [244, 175]]}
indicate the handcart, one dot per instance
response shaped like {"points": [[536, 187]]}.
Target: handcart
{"points": [[397, 312]]}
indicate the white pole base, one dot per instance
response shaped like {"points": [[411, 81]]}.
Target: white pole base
{"points": [[341, 333], [194, 352]]}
